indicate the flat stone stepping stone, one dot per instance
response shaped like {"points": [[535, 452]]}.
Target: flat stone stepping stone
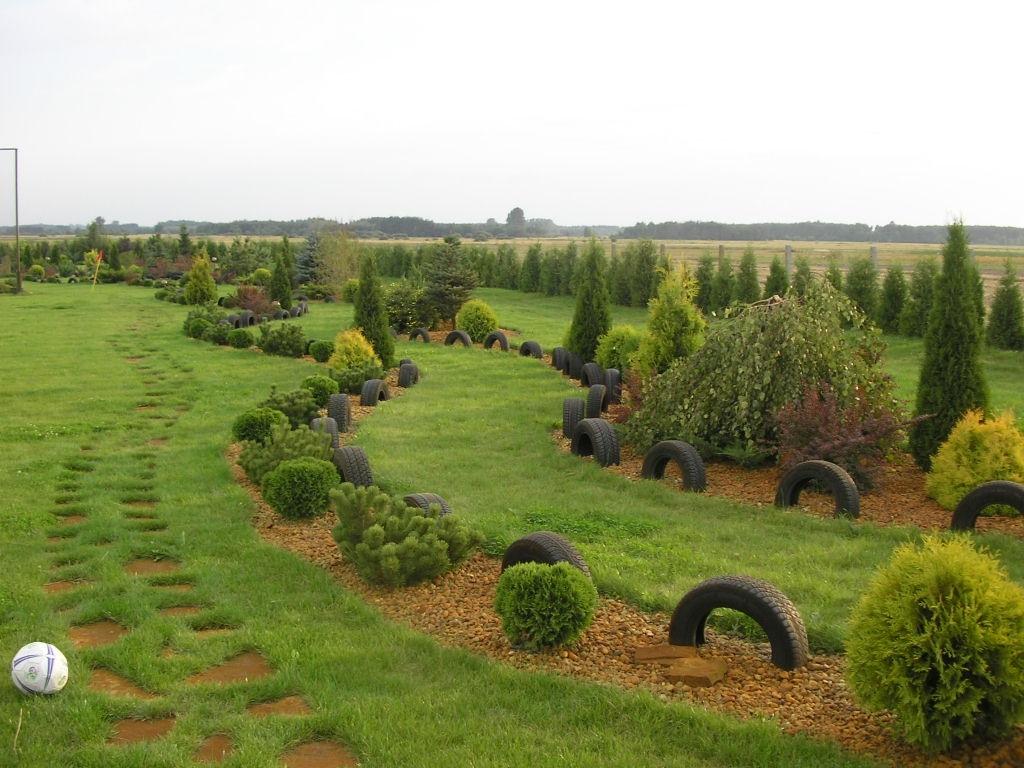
{"points": [[289, 705], [132, 731], [96, 634], [181, 610], [144, 567], [61, 586], [319, 754], [246, 666], [215, 749], [105, 681]]}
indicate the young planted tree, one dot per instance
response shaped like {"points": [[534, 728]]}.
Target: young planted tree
{"points": [[802, 276], [952, 381], [200, 288], [777, 283], [894, 296], [642, 261], [288, 253], [862, 286], [723, 288], [308, 262], [977, 291], [550, 278], [529, 275], [184, 242], [281, 284], [675, 327], [592, 317], [371, 314], [1006, 320], [834, 274], [567, 270], [617, 280], [748, 286], [448, 279], [705, 277], [918, 306]]}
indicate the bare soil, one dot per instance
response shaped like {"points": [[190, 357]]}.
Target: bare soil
{"points": [[242, 668], [96, 634], [112, 684], [145, 567], [289, 705], [319, 754], [131, 731], [216, 749]]}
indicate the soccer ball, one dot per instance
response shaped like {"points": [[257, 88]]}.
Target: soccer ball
{"points": [[39, 668]]}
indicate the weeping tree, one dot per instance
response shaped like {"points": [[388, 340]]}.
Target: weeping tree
{"points": [[1006, 320], [592, 317]]}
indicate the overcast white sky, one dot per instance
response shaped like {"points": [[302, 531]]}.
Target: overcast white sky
{"points": [[584, 112]]}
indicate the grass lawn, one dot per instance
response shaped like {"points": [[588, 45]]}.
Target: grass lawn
{"points": [[106, 403]]}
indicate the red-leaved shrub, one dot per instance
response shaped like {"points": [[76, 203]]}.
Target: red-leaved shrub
{"points": [[253, 298]]}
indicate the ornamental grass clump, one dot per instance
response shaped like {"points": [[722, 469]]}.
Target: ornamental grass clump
{"points": [[938, 639], [544, 606]]}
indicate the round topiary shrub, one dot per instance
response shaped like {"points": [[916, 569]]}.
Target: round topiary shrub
{"points": [[262, 277], [241, 338], [256, 424], [321, 351], [543, 606], [322, 388], [616, 347], [477, 319], [938, 639], [300, 487], [976, 451]]}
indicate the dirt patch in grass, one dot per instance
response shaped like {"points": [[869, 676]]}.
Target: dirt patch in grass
{"points": [[319, 754], [105, 681], [146, 567], [157, 442], [180, 610], [246, 666], [72, 519], [96, 634], [132, 731], [62, 586], [289, 705], [216, 749]]}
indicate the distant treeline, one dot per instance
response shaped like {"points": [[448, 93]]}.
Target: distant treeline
{"points": [[817, 230]]}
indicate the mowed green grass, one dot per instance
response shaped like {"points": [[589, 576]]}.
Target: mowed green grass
{"points": [[72, 431]]}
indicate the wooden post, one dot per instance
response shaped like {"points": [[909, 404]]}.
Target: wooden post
{"points": [[789, 260]]}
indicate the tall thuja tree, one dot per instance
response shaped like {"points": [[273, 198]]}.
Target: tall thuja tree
{"points": [[834, 273], [802, 276], [288, 254], [281, 283], [1006, 319], [748, 285], [723, 288], [894, 296], [507, 272], [184, 241], [643, 272], [952, 381], [705, 277], [371, 314], [199, 287], [617, 279], [529, 275], [550, 278], [675, 327], [567, 270], [862, 286], [778, 282], [977, 291], [592, 318], [918, 306], [448, 279], [307, 265]]}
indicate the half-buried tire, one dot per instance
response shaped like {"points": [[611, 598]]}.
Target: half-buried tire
{"points": [[327, 425], [597, 438], [339, 408], [575, 366], [530, 349], [420, 333], [825, 474], [424, 500], [596, 401], [353, 466], [591, 375], [374, 390], [543, 547], [684, 455], [408, 375], [613, 383], [458, 336], [560, 359], [965, 517], [496, 337], [403, 361], [572, 414], [758, 599]]}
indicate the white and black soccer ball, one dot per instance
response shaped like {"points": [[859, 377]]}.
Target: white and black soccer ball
{"points": [[39, 668]]}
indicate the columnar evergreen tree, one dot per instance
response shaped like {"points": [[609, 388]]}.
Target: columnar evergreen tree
{"points": [[308, 262], [705, 276], [675, 327], [592, 318], [978, 291], [802, 276], [448, 279], [184, 242], [617, 280], [550, 278], [281, 284], [834, 274], [723, 288], [508, 268], [200, 288], [862, 286], [918, 306], [748, 285], [952, 381], [288, 253], [567, 273], [777, 283], [371, 314], [894, 296], [1006, 319], [642, 276], [529, 275]]}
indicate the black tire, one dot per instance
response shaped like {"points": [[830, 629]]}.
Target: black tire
{"points": [[248, 319], [328, 425], [496, 337], [404, 361], [560, 359], [686, 458], [339, 408], [220, 300], [965, 516], [353, 466], [294, 312], [280, 314], [613, 383], [572, 414], [420, 333], [458, 336], [302, 298], [597, 401], [575, 363], [530, 349], [825, 473], [597, 438], [591, 375], [374, 390], [543, 547], [424, 500], [758, 599], [408, 375]]}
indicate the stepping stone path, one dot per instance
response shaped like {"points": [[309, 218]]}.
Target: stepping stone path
{"points": [[319, 754], [289, 705], [133, 731], [145, 567], [215, 749], [181, 610], [72, 519], [96, 634], [242, 668], [61, 586], [105, 681]]}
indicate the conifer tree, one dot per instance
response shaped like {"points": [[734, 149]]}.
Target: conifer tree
{"points": [[308, 262], [567, 272], [1006, 319], [448, 279], [529, 275], [184, 241], [894, 296], [802, 276], [862, 286], [288, 253], [978, 291], [200, 287], [675, 327], [951, 381], [918, 306], [642, 275], [371, 314], [748, 285], [281, 284], [592, 317], [705, 277], [616, 280], [777, 283], [550, 279], [723, 288], [834, 274]]}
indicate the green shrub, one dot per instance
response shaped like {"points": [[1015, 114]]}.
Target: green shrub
{"points": [[298, 405], [199, 287], [675, 327], [256, 424], [321, 351], [217, 334], [36, 273], [777, 282], [405, 306], [395, 544], [977, 450], [281, 283], [259, 459], [544, 606], [1006, 321], [209, 313], [723, 287], [894, 296], [616, 347], [351, 349], [262, 277], [241, 338], [704, 277], [351, 380], [938, 639], [198, 328], [286, 340], [862, 286], [321, 386], [748, 284], [300, 487], [349, 289], [477, 319]]}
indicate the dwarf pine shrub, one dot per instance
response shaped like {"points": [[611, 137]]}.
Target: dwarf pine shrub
{"points": [[298, 405], [258, 460]]}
